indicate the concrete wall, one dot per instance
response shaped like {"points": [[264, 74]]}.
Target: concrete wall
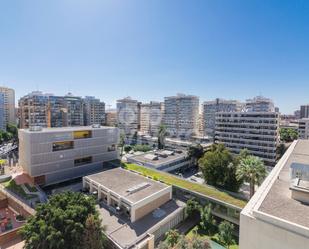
{"points": [[256, 234]]}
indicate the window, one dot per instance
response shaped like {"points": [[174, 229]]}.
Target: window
{"points": [[111, 148], [82, 134], [66, 145], [82, 161]]}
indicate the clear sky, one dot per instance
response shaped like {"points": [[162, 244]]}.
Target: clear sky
{"points": [[149, 49]]}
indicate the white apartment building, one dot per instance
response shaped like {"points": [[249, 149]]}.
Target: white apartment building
{"points": [[52, 155], [128, 115], [181, 114], [260, 104], [2, 113], [94, 111], [9, 105], [277, 216], [150, 118], [210, 108], [255, 131], [303, 128], [304, 111]]}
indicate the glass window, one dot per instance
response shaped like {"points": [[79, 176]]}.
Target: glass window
{"points": [[82, 161], [66, 145], [82, 134]]}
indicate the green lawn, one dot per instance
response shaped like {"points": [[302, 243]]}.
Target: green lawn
{"points": [[196, 231], [11, 185], [173, 180]]}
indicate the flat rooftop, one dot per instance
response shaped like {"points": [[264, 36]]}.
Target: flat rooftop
{"points": [[66, 129], [119, 181], [278, 201], [144, 158], [125, 233]]}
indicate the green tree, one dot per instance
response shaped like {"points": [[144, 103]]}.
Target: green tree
{"points": [[127, 148], [122, 141], [59, 223], [225, 234], [12, 129], [252, 170], [208, 223], [172, 237], [219, 169], [281, 150], [198, 243], [162, 133], [192, 207], [93, 236], [288, 134], [195, 152], [141, 147]]}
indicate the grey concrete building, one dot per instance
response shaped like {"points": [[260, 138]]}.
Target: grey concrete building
{"points": [[74, 110], [255, 131], [51, 155], [9, 104], [128, 115], [2, 113], [209, 110], [303, 128], [181, 114], [304, 111], [277, 217]]}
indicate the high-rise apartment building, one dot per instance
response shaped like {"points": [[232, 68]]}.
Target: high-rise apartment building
{"points": [[255, 131], [150, 118], [304, 111], [9, 105], [128, 115], [277, 217], [181, 115], [94, 111], [303, 128], [33, 110], [2, 113], [210, 108], [260, 104], [74, 110], [56, 112]]}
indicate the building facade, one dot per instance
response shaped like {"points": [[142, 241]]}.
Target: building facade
{"points": [[255, 131], [9, 105], [181, 114], [2, 113], [277, 217], [210, 108], [150, 118], [74, 110], [304, 111], [303, 128], [128, 115], [52, 155], [111, 117], [260, 104], [94, 111]]}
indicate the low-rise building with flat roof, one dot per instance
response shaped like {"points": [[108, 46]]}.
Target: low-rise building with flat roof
{"points": [[128, 192], [53, 155], [277, 216], [135, 210], [165, 160]]}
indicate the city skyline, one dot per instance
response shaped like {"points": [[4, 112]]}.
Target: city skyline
{"points": [[149, 50]]}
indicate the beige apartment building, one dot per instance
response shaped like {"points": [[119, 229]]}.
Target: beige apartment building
{"points": [[181, 115], [277, 216], [150, 118], [52, 155]]}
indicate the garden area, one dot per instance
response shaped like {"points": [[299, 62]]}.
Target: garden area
{"points": [[18, 190], [173, 180]]}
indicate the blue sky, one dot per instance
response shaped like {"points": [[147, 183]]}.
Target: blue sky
{"points": [[149, 49]]}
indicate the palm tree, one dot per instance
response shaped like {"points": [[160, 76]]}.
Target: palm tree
{"points": [[161, 136], [122, 142], [252, 170], [195, 152]]}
